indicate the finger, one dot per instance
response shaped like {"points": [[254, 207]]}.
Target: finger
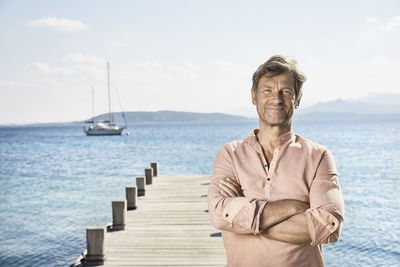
{"points": [[237, 186], [227, 190], [232, 181], [223, 193], [233, 186]]}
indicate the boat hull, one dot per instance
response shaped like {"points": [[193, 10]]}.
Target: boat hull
{"points": [[113, 132], [103, 131]]}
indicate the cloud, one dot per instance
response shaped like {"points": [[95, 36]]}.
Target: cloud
{"points": [[59, 24], [41, 67], [393, 24], [371, 20], [389, 26], [14, 84], [46, 69], [210, 86], [49, 83], [91, 65], [81, 67], [79, 58]]}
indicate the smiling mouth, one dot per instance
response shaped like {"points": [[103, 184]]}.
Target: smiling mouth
{"points": [[275, 108]]}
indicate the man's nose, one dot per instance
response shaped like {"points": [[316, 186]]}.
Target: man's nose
{"points": [[277, 95]]}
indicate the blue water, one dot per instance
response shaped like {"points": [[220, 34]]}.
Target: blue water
{"points": [[55, 182]]}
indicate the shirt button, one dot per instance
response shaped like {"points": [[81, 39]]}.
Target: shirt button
{"points": [[265, 165], [268, 179], [226, 215]]}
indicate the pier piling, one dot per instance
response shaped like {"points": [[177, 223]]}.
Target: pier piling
{"points": [[154, 166], [131, 194], [149, 175], [95, 237], [141, 186], [119, 214]]}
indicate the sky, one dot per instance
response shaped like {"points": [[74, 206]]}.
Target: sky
{"points": [[186, 55]]}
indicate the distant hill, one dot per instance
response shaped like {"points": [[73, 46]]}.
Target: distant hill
{"points": [[167, 116], [371, 106]]}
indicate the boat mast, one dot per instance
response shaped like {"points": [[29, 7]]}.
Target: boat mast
{"points": [[92, 103], [109, 95]]}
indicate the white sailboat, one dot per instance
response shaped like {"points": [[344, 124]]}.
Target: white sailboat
{"points": [[106, 127]]}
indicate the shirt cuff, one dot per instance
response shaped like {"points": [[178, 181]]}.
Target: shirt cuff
{"points": [[321, 224], [244, 214]]}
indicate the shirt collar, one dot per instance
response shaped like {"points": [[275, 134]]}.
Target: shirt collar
{"points": [[252, 139]]}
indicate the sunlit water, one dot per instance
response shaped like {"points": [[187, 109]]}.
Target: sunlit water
{"points": [[55, 182]]}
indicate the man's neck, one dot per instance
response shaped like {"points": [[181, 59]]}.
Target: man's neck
{"points": [[268, 136]]}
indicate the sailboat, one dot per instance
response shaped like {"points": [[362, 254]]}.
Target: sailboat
{"points": [[105, 127]]}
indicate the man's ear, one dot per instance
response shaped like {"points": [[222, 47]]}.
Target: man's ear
{"points": [[253, 96]]}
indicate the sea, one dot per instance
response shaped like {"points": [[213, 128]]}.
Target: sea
{"points": [[55, 181]]}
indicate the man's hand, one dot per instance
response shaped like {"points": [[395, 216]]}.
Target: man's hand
{"points": [[230, 188]]}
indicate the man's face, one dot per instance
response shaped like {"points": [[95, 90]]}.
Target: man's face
{"points": [[275, 99]]}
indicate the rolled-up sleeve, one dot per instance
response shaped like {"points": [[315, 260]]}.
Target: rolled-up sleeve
{"points": [[235, 214], [326, 213]]}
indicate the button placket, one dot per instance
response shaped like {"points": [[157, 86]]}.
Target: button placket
{"points": [[274, 159]]}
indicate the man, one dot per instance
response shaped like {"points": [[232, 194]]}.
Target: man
{"points": [[275, 195]]}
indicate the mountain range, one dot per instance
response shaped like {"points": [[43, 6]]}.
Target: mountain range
{"points": [[168, 116], [372, 106]]}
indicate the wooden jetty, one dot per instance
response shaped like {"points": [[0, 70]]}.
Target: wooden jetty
{"points": [[169, 227]]}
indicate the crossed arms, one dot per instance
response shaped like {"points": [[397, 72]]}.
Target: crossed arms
{"points": [[292, 221], [281, 220]]}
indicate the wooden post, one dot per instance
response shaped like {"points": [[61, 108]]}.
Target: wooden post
{"points": [[131, 194], [154, 166], [149, 176], [141, 186], [95, 237], [119, 214]]}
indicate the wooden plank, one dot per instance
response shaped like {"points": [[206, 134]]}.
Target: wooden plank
{"points": [[170, 227]]}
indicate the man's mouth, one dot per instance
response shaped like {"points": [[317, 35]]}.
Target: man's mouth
{"points": [[274, 108]]}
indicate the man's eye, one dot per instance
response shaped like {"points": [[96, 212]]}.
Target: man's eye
{"points": [[267, 90], [287, 92]]}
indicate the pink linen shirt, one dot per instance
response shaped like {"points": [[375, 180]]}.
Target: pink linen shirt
{"points": [[300, 169]]}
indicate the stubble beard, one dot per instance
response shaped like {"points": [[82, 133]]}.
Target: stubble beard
{"points": [[282, 119]]}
